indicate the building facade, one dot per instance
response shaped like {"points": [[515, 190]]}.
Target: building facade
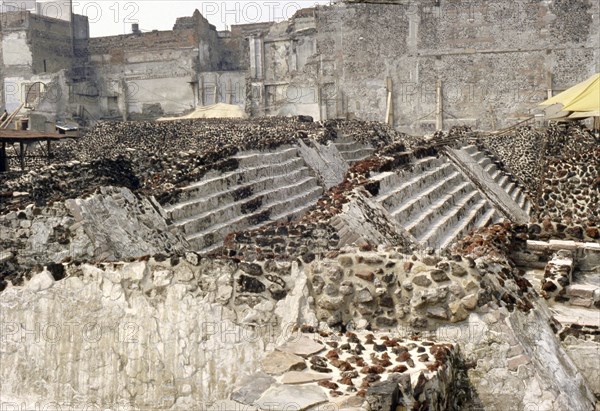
{"points": [[417, 65]]}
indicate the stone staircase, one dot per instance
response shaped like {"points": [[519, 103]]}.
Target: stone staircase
{"points": [[267, 186], [353, 151], [506, 181], [434, 201]]}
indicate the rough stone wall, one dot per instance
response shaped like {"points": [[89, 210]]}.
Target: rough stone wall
{"points": [[583, 349], [558, 166], [152, 78], [571, 185], [51, 44], [112, 225], [521, 153], [491, 73], [388, 290], [165, 333]]}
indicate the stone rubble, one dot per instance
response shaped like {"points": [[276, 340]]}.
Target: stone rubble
{"points": [[354, 370], [88, 240]]}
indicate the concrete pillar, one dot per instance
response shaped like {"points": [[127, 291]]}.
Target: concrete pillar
{"points": [[122, 100], [439, 119], [229, 91], [389, 116], [257, 57], [202, 92]]}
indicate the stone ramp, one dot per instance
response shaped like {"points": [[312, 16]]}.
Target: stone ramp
{"points": [[434, 202], [266, 187], [499, 188]]}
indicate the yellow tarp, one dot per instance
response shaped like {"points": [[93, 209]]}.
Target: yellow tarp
{"points": [[585, 114], [219, 110], [567, 96], [579, 101], [588, 100]]}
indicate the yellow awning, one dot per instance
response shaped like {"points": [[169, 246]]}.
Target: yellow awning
{"points": [[588, 100], [584, 94], [585, 114]]}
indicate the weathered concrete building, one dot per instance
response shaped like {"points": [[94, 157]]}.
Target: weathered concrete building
{"points": [[41, 46], [477, 63], [419, 66], [167, 71]]}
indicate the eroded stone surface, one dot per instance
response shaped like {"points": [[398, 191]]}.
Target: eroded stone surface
{"points": [[278, 362], [302, 346], [285, 396]]}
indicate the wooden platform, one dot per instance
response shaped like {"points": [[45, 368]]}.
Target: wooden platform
{"points": [[24, 138], [17, 136]]}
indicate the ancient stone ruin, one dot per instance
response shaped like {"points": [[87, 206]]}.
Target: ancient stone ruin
{"points": [[401, 235], [282, 263]]}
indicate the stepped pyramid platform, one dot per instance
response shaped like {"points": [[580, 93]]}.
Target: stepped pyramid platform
{"points": [[267, 186], [434, 201], [490, 176], [353, 151]]}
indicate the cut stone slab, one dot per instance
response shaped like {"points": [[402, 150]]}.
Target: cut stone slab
{"points": [[278, 362], [299, 377], [302, 346], [252, 387], [581, 290], [291, 397]]}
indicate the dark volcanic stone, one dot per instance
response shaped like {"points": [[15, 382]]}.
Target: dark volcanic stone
{"points": [[549, 286], [251, 269], [438, 276], [250, 285], [57, 271], [308, 257], [385, 322]]}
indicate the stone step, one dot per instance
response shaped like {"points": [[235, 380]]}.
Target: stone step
{"points": [[583, 295], [422, 201], [471, 149], [435, 225], [510, 188], [290, 207], [485, 162], [492, 170], [478, 157], [411, 217], [415, 186], [390, 180], [479, 216], [251, 159], [230, 211], [356, 155], [350, 145], [518, 197], [223, 182], [199, 245], [502, 179], [202, 205]]}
